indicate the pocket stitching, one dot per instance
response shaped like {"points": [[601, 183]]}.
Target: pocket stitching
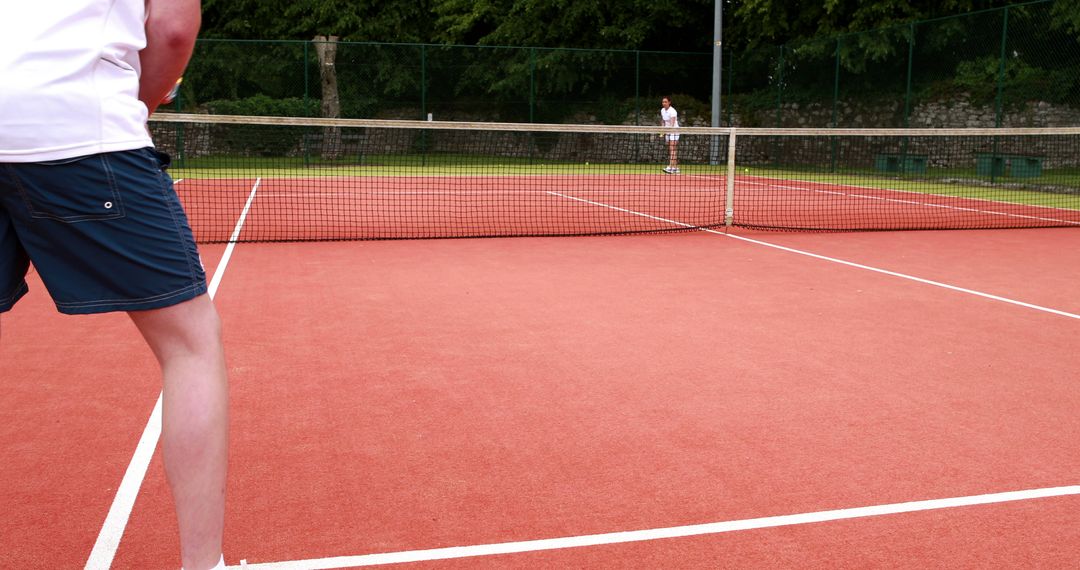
{"points": [[40, 214]]}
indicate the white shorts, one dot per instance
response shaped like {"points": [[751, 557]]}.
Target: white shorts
{"points": [[672, 138]]}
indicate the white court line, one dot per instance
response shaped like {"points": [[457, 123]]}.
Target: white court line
{"points": [[108, 540], [772, 182], [659, 533], [833, 259], [365, 192], [929, 204], [896, 190]]}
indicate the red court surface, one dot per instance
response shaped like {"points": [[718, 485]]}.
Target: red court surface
{"points": [[493, 205], [401, 396]]}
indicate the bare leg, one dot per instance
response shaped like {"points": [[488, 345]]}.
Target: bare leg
{"points": [[186, 339], [673, 160]]}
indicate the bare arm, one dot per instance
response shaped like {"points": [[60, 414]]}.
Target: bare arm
{"points": [[171, 28]]}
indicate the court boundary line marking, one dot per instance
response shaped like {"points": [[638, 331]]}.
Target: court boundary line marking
{"points": [[776, 182], [112, 530], [692, 530], [501, 548], [108, 540], [849, 194], [836, 260]]}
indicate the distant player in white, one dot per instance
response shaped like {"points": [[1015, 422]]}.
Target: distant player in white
{"points": [[670, 118]]}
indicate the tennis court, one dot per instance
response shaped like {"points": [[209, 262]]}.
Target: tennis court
{"points": [[696, 394]]}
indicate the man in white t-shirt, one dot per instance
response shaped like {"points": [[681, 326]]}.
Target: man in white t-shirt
{"points": [[84, 197], [670, 118]]}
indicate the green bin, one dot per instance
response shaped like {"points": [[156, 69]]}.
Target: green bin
{"points": [[1026, 166], [896, 162], [989, 165]]}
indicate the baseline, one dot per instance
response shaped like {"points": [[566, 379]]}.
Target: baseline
{"points": [[660, 533]]}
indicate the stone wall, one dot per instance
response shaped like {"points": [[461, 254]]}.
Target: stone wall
{"points": [[958, 113]]}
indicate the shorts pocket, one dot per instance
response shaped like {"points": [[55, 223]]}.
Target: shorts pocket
{"points": [[71, 190]]}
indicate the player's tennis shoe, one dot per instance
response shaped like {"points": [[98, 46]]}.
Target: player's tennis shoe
{"points": [[669, 170]]}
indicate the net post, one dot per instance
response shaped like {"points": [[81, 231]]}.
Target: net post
{"points": [[729, 203]]}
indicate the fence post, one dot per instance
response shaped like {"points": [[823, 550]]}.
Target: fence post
{"points": [[423, 82], [779, 107], [836, 101], [730, 78], [717, 79], [637, 87], [306, 102], [532, 83], [836, 83], [907, 95], [780, 89], [1001, 69]]}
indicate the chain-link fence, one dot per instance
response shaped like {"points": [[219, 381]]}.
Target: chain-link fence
{"points": [[1015, 66], [410, 81], [1008, 67]]}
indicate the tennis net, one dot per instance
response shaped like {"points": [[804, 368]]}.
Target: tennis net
{"points": [[300, 179]]}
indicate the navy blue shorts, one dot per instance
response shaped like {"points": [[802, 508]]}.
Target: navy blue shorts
{"points": [[105, 232]]}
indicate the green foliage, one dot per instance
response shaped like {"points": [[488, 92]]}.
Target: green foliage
{"points": [[950, 56], [1021, 82], [262, 105], [693, 112], [1067, 16], [357, 20], [629, 24], [770, 21]]}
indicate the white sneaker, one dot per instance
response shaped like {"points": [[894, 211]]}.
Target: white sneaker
{"points": [[669, 170], [674, 170]]}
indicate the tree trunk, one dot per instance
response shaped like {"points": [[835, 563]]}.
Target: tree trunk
{"points": [[326, 49]]}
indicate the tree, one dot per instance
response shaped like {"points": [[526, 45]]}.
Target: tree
{"points": [[628, 24], [780, 21], [358, 20], [1067, 14]]}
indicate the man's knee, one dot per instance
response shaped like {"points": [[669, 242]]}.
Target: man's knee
{"points": [[191, 327]]}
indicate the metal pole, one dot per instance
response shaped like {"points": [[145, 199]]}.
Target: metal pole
{"points": [[423, 82], [637, 102], [306, 105], [730, 82], [780, 90], [532, 84], [907, 99], [637, 87], [836, 101], [910, 61], [836, 83], [1001, 69], [717, 76], [999, 99]]}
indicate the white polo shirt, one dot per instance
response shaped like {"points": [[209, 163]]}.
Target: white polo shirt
{"points": [[69, 78], [670, 116]]}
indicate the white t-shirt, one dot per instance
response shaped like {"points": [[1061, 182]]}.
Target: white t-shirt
{"points": [[69, 78], [670, 116]]}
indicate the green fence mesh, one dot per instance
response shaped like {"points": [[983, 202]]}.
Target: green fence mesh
{"points": [[1016, 66]]}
